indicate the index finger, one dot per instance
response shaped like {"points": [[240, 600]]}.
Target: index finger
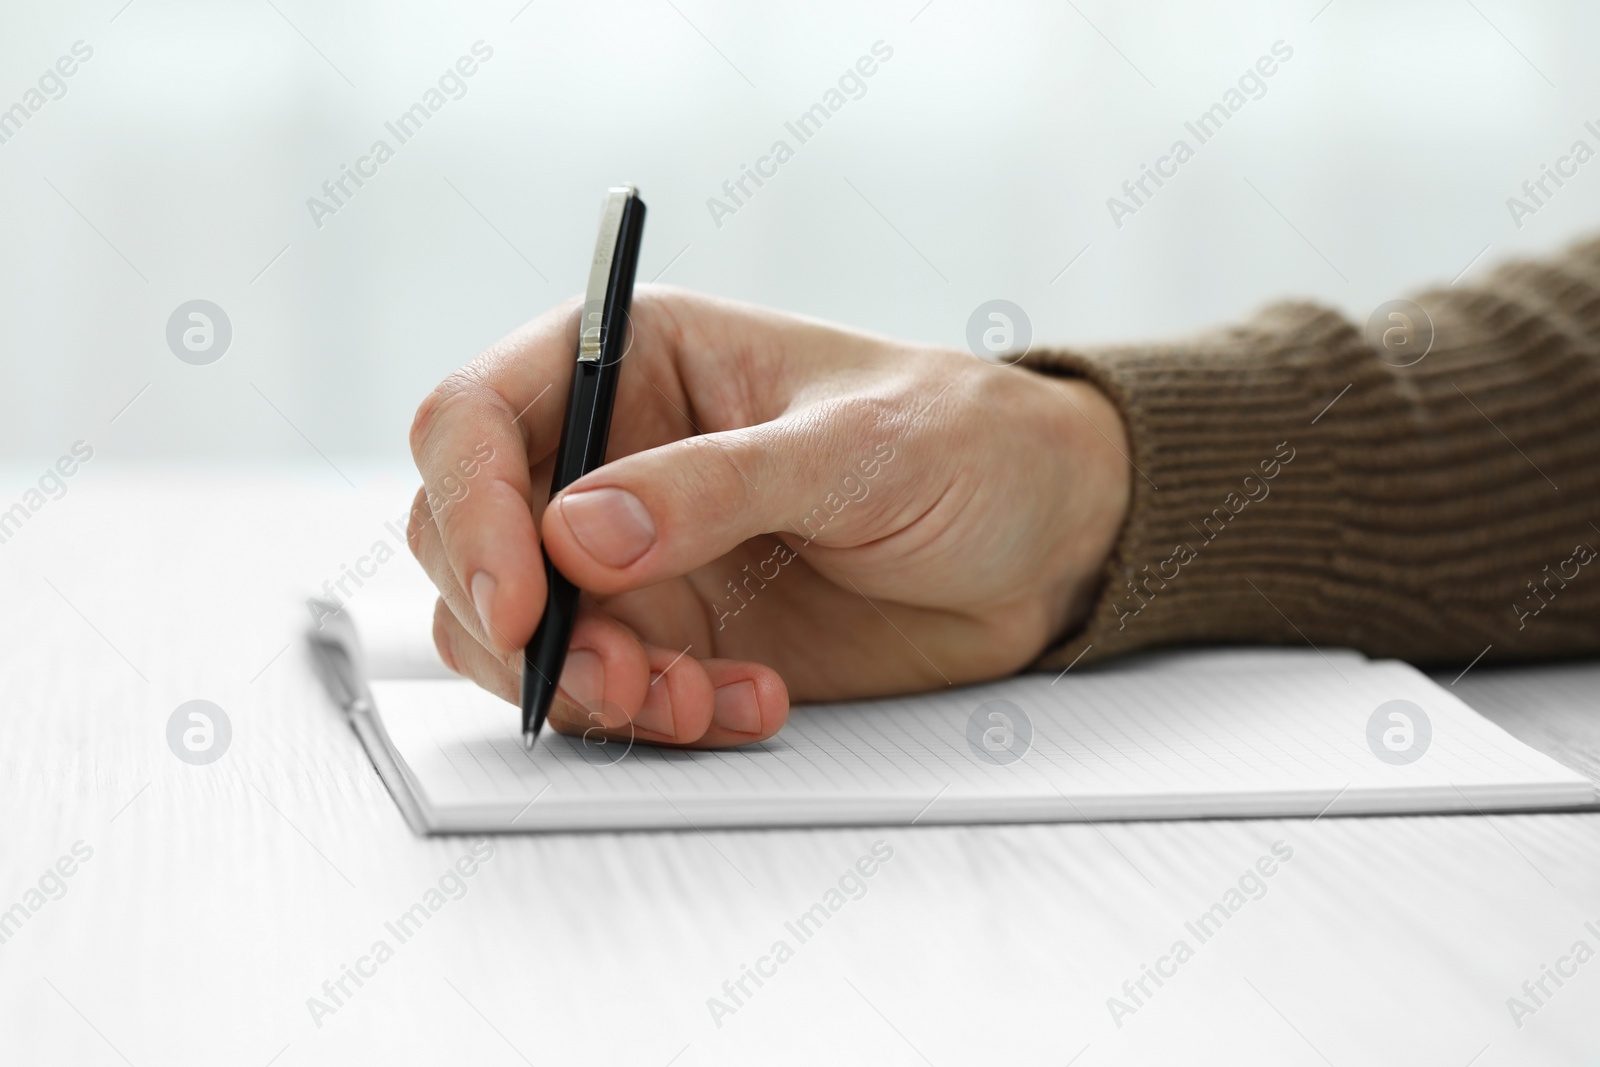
{"points": [[470, 443]]}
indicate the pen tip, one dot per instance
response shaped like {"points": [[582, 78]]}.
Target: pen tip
{"points": [[528, 739]]}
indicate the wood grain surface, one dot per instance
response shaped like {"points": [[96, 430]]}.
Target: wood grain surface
{"points": [[218, 899]]}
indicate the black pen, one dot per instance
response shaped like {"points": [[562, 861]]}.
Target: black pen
{"points": [[602, 335]]}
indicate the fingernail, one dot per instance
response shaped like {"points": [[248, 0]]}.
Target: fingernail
{"points": [[483, 600], [736, 708], [583, 680], [656, 714], [610, 524]]}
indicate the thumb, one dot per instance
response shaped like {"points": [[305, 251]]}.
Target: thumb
{"points": [[664, 512]]}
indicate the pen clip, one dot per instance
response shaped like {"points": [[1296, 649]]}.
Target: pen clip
{"points": [[591, 324]]}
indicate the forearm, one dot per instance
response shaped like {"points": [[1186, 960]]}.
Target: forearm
{"points": [[1291, 486]]}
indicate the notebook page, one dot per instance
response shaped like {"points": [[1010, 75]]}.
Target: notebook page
{"points": [[1182, 740]]}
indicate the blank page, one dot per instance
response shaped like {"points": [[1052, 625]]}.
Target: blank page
{"points": [[1192, 735]]}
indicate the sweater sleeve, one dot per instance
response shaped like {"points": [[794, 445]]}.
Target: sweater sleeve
{"points": [[1295, 482]]}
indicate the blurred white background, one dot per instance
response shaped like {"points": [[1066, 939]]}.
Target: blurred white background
{"points": [[978, 163], [177, 165]]}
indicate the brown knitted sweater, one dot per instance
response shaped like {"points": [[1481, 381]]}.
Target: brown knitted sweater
{"points": [[1294, 484]]}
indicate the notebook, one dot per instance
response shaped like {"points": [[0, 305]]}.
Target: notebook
{"points": [[1227, 733]]}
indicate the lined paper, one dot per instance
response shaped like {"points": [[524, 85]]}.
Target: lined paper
{"points": [[1193, 735]]}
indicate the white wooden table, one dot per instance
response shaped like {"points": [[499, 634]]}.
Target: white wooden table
{"points": [[219, 898]]}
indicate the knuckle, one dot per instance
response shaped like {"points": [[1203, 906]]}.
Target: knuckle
{"points": [[415, 518], [447, 516], [657, 299], [460, 383]]}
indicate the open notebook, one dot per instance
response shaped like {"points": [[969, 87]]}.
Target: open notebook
{"points": [[1188, 735]]}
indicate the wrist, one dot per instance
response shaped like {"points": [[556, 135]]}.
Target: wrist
{"points": [[1086, 440]]}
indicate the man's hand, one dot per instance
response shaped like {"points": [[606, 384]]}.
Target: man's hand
{"points": [[789, 510]]}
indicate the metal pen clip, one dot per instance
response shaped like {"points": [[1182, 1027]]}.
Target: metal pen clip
{"points": [[591, 324]]}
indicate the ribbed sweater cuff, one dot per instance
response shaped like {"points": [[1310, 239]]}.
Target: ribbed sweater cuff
{"points": [[1291, 486], [1232, 479]]}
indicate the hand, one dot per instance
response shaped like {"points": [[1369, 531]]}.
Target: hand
{"points": [[788, 510]]}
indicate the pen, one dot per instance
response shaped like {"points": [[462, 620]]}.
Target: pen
{"points": [[602, 335]]}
